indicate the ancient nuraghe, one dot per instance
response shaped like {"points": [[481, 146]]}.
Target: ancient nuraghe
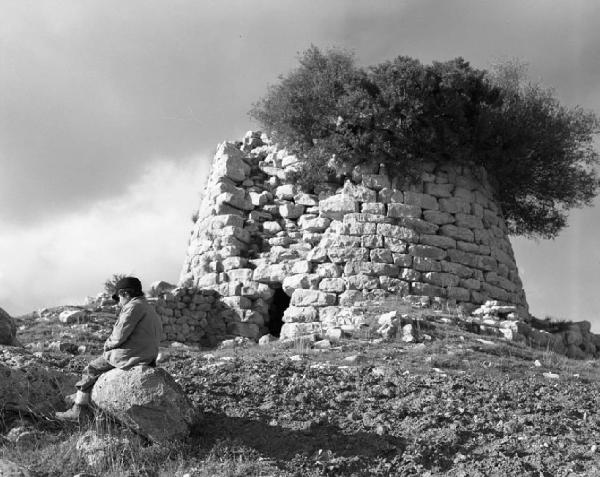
{"points": [[266, 256]]}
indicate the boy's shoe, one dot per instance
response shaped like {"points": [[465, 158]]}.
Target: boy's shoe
{"points": [[77, 413]]}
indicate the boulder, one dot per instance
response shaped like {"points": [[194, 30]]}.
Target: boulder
{"points": [[72, 316], [148, 400], [32, 386], [8, 329], [159, 287]]}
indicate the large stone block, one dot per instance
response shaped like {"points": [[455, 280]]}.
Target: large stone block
{"points": [[402, 260], [297, 330], [423, 264], [336, 206], [427, 289], [397, 232], [328, 270], [468, 247], [240, 274], [148, 400], [457, 269], [403, 210], [234, 200], [424, 201], [350, 297], [363, 282], [418, 225], [300, 314], [220, 221], [271, 273], [440, 241], [303, 297], [295, 282], [470, 283], [441, 279], [361, 217], [394, 285], [455, 205], [388, 195], [376, 181], [359, 193], [291, 210], [410, 275], [437, 217], [373, 208], [372, 241], [464, 258], [355, 267], [396, 245], [458, 233], [334, 285], [468, 221], [285, 191], [428, 251], [345, 254], [381, 255], [439, 190], [310, 223], [229, 162]]}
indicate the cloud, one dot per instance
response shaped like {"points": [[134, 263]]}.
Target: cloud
{"points": [[142, 232]]}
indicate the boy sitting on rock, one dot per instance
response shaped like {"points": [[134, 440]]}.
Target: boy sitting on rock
{"points": [[135, 339]]}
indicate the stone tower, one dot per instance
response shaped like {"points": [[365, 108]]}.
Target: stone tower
{"points": [[283, 260]]}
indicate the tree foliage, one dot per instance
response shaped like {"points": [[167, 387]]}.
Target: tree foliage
{"points": [[539, 154], [110, 285]]}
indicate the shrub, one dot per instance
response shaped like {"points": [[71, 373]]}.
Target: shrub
{"points": [[110, 285], [539, 154]]}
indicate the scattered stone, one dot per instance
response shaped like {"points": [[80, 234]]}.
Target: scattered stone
{"points": [[323, 344], [72, 316], [355, 359], [550, 375], [266, 339]]}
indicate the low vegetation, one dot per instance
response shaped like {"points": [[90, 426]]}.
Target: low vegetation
{"points": [[454, 404]]}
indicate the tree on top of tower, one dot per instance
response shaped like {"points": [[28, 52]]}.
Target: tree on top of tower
{"points": [[538, 153]]}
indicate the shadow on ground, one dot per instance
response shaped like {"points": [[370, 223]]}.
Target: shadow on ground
{"points": [[282, 444]]}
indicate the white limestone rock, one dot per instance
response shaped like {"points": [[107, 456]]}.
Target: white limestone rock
{"points": [[336, 206], [301, 297], [229, 162]]}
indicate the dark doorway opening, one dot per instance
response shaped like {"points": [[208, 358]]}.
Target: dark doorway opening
{"points": [[278, 305]]}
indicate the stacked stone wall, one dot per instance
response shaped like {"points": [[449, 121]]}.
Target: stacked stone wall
{"points": [[361, 237]]}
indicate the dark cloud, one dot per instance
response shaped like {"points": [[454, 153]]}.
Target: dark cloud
{"points": [[91, 90]]}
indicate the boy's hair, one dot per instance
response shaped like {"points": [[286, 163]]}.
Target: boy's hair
{"points": [[131, 292]]}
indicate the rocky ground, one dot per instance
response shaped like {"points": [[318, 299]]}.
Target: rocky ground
{"points": [[459, 405]]}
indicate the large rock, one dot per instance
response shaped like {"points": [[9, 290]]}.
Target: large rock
{"points": [[148, 400], [30, 385], [8, 329]]}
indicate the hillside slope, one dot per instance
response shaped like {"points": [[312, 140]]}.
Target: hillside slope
{"points": [[458, 404]]}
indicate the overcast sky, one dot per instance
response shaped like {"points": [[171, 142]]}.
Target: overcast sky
{"points": [[110, 112]]}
